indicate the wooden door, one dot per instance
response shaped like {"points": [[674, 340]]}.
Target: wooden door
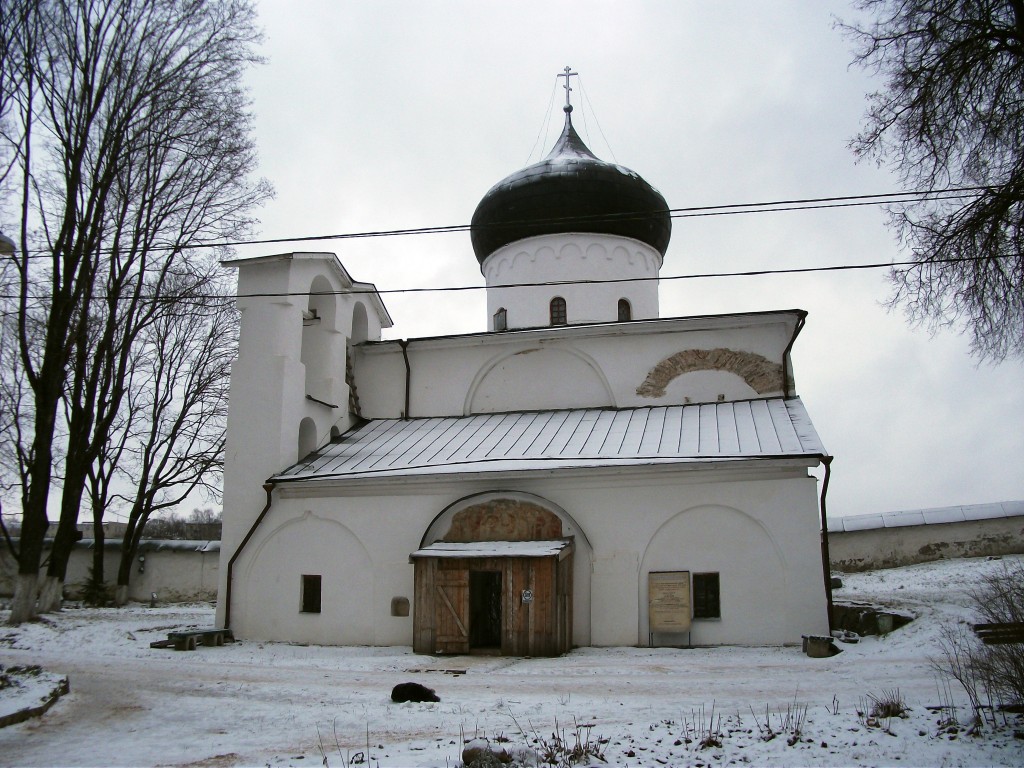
{"points": [[451, 611]]}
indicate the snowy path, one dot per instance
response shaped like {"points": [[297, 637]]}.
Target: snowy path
{"points": [[250, 703]]}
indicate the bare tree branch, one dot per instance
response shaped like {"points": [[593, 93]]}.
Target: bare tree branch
{"points": [[125, 142], [951, 112]]}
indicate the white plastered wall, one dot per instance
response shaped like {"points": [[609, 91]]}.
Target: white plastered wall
{"points": [[756, 526], [571, 257], [590, 366]]}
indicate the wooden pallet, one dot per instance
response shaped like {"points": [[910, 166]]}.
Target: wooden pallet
{"points": [[188, 639], [1000, 634]]}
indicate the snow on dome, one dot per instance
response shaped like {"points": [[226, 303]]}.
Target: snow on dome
{"points": [[571, 190]]}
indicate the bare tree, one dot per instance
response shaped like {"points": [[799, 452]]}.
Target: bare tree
{"points": [[126, 137], [179, 402], [951, 115]]}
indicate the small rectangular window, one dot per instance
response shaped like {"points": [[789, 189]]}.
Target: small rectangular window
{"points": [[311, 593], [501, 320], [705, 596]]}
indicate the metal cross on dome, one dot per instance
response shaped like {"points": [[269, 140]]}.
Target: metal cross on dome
{"points": [[567, 73]]}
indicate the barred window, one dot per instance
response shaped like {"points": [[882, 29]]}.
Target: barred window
{"points": [[559, 316], [501, 320]]}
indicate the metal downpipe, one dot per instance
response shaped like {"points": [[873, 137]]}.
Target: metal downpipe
{"points": [[269, 488], [404, 344], [826, 561]]}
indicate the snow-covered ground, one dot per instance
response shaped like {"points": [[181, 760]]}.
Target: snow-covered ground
{"points": [[274, 704]]}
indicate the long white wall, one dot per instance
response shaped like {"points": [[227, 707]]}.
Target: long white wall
{"points": [[873, 548], [177, 571], [358, 536]]}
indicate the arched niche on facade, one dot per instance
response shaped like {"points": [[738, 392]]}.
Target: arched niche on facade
{"points": [[503, 516], [751, 567], [536, 379], [319, 323], [269, 585], [307, 438], [360, 325]]}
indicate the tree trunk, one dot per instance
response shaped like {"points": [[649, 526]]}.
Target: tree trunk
{"points": [[26, 587], [60, 553], [24, 606], [51, 594], [129, 546], [98, 551]]}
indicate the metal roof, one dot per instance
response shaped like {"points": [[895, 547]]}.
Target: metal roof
{"points": [[525, 441]]}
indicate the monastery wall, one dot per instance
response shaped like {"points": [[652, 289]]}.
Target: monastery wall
{"points": [[873, 548], [177, 571]]}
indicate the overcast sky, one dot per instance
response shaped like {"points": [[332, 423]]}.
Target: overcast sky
{"points": [[389, 115]]}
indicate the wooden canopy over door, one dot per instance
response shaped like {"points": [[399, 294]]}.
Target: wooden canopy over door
{"points": [[536, 596]]}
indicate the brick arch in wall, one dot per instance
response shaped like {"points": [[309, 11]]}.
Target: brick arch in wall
{"points": [[761, 374], [503, 516]]}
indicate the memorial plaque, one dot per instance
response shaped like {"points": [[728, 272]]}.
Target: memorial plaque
{"points": [[668, 598]]}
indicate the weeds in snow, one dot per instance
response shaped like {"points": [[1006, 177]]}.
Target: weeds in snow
{"points": [[705, 730], [561, 749], [991, 673], [834, 708], [878, 711], [946, 708], [889, 705], [791, 721], [348, 757]]}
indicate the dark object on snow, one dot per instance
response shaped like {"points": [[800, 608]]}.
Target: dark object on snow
{"points": [[413, 692], [837, 583]]}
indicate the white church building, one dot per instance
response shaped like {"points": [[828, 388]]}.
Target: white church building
{"points": [[584, 473]]}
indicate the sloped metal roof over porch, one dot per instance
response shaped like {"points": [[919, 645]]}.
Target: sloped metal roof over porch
{"points": [[524, 441]]}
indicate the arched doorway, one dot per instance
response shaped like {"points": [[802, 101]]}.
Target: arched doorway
{"points": [[498, 581]]}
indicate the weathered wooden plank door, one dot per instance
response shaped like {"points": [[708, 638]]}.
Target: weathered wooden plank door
{"points": [[451, 611]]}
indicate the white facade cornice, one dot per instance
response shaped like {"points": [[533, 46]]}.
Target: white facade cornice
{"points": [[561, 333]]}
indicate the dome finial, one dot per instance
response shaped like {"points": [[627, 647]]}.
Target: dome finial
{"points": [[568, 105]]}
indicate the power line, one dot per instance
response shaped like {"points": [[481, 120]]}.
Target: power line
{"points": [[772, 206], [555, 283]]}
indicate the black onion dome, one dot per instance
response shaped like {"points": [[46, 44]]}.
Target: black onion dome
{"points": [[570, 190]]}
